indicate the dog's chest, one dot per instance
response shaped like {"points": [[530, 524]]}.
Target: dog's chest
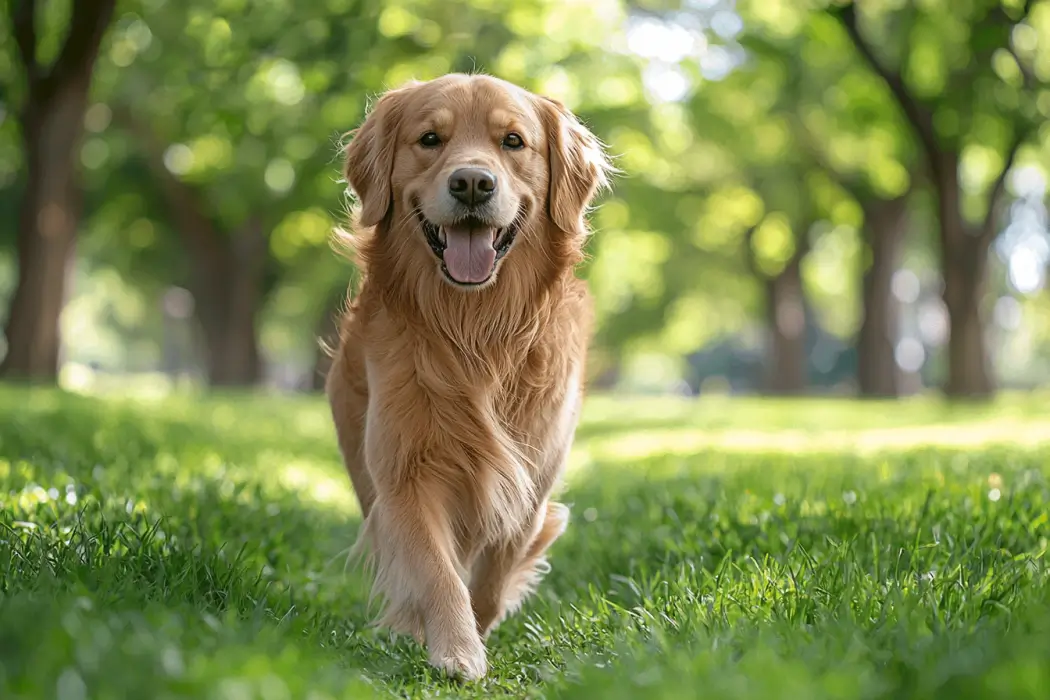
{"points": [[540, 418], [528, 426], [528, 401]]}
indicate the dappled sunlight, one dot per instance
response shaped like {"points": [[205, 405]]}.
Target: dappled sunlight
{"points": [[809, 414], [646, 444], [58, 493], [610, 433], [267, 474], [146, 387], [320, 486]]}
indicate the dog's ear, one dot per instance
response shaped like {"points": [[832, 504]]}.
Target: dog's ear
{"points": [[579, 167], [369, 157]]}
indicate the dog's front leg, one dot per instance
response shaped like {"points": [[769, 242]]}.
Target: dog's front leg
{"points": [[416, 575], [410, 534]]}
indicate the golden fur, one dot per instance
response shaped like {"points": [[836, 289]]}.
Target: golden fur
{"points": [[455, 407]]}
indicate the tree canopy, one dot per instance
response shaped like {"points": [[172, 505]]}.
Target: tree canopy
{"points": [[819, 183]]}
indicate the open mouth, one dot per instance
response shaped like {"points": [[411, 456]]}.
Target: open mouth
{"points": [[469, 249]]}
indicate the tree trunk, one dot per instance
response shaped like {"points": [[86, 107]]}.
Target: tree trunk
{"points": [[787, 369], [964, 263], [47, 227], [877, 372], [969, 370], [228, 287], [52, 126], [233, 358], [227, 270], [964, 247]]}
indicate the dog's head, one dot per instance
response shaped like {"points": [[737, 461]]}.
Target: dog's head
{"points": [[461, 173]]}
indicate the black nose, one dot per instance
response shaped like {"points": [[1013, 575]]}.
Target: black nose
{"points": [[472, 186]]}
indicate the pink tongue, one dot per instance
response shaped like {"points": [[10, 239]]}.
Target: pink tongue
{"points": [[469, 253]]}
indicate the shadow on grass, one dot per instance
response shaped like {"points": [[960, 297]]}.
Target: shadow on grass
{"points": [[48, 424]]}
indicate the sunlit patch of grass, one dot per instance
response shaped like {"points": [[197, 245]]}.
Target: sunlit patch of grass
{"points": [[814, 414], [621, 429], [645, 444], [195, 547], [318, 484]]}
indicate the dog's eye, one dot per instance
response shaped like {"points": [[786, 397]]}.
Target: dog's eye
{"points": [[513, 142], [430, 140]]}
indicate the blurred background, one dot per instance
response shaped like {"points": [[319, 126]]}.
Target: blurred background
{"points": [[817, 197]]}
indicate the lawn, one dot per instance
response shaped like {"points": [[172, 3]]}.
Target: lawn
{"points": [[189, 547]]}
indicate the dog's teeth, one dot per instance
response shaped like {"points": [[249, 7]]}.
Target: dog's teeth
{"points": [[441, 235]]}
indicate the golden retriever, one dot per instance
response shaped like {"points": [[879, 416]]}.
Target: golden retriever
{"points": [[456, 385]]}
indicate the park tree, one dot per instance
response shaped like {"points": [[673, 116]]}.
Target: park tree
{"points": [[670, 273], [962, 77], [885, 227], [772, 207], [236, 110], [841, 120], [774, 250], [772, 117], [51, 97]]}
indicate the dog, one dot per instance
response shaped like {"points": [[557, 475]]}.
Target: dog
{"points": [[457, 382]]}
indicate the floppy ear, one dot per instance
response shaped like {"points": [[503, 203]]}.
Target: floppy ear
{"points": [[369, 160], [579, 168]]}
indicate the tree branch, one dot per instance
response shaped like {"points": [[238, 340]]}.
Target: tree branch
{"points": [[989, 228], [87, 26], [917, 114], [23, 26], [250, 244]]}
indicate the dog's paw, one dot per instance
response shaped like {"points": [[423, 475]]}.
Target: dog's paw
{"points": [[465, 661]]}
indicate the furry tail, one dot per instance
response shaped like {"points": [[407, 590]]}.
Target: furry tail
{"points": [[527, 575]]}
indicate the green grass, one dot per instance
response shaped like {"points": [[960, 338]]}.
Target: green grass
{"points": [[815, 549]]}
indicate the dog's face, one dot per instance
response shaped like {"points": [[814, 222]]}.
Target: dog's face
{"points": [[469, 168]]}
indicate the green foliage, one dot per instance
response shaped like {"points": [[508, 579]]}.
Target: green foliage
{"points": [[965, 66], [188, 547], [248, 101]]}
